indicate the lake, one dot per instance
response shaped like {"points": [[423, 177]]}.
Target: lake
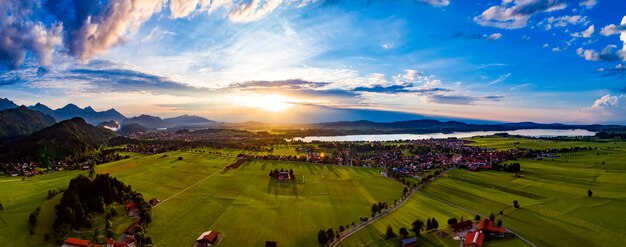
{"points": [[393, 137]]}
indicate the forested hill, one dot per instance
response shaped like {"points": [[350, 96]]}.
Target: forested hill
{"points": [[72, 137]]}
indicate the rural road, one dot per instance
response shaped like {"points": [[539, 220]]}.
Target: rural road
{"points": [[372, 220]]}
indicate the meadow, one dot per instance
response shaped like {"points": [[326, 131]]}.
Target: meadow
{"points": [[555, 209], [197, 195]]}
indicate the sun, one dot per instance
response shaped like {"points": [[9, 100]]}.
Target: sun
{"points": [[273, 102]]}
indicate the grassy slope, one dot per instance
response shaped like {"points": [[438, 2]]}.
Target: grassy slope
{"points": [[566, 217], [249, 208], [19, 199], [234, 202]]}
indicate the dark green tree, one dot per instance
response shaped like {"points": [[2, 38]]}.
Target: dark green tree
{"points": [[417, 226], [403, 232], [322, 237], [330, 233], [390, 233]]}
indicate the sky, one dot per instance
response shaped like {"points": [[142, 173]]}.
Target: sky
{"points": [[321, 60]]}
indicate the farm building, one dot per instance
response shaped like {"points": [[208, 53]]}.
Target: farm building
{"points": [[282, 176], [129, 242], [409, 242], [154, 201], [463, 225], [486, 226], [76, 242], [474, 239], [210, 238]]}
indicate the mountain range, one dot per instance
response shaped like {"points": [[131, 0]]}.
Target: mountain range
{"points": [[22, 121], [89, 114]]}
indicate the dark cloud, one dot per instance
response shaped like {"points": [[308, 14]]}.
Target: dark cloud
{"points": [[397, 89], [292, 84], [121, 80], [619, 71], [476, 36], [460, 99], [19, 34]]}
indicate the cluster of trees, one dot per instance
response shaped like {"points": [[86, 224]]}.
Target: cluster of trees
{"points": [[86, 196], [417, 227], [432, 224], [326, 237], [32, 220], [53, 192], [275, 173], [512, 167], [378, 208]]}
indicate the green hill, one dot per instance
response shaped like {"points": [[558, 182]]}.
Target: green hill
{"points": [[21, 121], [72, 137]]}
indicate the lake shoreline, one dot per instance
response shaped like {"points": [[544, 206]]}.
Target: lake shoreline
{"points": [[536, 133]]}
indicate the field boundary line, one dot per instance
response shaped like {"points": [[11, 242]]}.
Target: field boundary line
{"points": [[468, 210], [185, 189]]}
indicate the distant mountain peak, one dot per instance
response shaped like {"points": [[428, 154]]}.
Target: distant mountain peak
{"points": [[6, 104], [71, 106]]}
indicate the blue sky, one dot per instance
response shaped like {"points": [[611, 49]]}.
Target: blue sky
{"points": [[316, 60]]}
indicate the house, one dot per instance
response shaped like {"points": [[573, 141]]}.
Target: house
{"points": [[474, 239], [132, 228], [128, 242], [463, 225], [154, 201], [409, 242], [486, 226], [282, 176], [271, 244], [130, 205], [76, 242], [210, 238]]}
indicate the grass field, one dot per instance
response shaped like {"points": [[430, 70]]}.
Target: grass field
{"points": [[555, 209], [19, 199], [197, 195]]}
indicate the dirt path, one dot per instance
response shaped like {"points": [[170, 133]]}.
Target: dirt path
{"points": [[185, 189]]}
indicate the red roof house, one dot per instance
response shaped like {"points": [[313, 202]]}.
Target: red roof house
{"points": [[76, 242], [209, 238], [486, 226], [474, 239], [463, 225]]}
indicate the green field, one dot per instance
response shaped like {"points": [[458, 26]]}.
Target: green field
{"points": [[198, 195], [249, 208], [555, 210]]}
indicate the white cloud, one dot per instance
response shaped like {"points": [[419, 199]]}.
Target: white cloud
{"points": [[437, 3], [546, 45], [585, 34], [494, 36], [614, 29], [588, 3], [608, 108], [514, 14], [558, 49], [563, 21], [500, 79]]}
